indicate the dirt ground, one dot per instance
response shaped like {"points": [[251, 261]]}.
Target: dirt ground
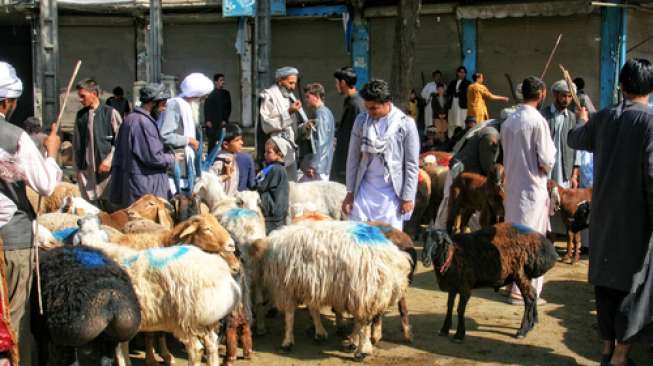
{"points": [[565, 335]]}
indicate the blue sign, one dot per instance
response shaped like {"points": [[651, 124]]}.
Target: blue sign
{"points": [[277, 7], [238, 8]]}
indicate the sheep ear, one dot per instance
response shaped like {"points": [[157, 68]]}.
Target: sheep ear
{"points": [[204, 209], [188, 231], [258, 249], [164, 217]]}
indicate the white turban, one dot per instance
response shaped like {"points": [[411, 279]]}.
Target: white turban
{"points": [[10, 84], [561, 86], [284, 72], [196, 85]]}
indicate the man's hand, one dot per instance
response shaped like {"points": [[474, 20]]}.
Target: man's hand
{"points": [[193, 143], [209, 124], [406, 207], [52, 143], [348, 203], [104, 167], [295, 106], [573, 181], [583, 114]]}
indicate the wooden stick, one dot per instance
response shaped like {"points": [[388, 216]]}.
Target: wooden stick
{"points": [[570, 85], [553, 51], [513, 91], [65, 99]]}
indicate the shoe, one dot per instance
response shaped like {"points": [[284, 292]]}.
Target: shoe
{"points": [[516, 301]]}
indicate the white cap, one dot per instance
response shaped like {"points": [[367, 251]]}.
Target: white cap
{"points": [[10, 84], [196, 85]]}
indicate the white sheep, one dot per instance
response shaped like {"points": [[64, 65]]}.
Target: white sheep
{"points": [[317, 196], [182, 290], [78, 206], [349, 266]]}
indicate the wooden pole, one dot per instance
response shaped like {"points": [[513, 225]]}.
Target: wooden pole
{"points": [[553, 51], [65, 99], [570, 85]]}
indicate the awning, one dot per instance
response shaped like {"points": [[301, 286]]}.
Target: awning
{"points": [[525, 9]]}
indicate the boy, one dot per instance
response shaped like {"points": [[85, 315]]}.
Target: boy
{"points": [[272, 184], [233, 144], [322, 130]]}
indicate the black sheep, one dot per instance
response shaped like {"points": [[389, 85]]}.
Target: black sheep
{"points": [[491, 257], [89, 306]]}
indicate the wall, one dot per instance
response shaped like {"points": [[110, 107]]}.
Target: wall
{"points": [[639, 30], [17, 50], [521, 46]]}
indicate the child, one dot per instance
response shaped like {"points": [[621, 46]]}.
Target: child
{"points": [[233, 143], [272, 184], [309, 173]]}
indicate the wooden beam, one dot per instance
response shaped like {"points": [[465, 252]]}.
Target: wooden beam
{"points": [[427, 9], [468, 46]]}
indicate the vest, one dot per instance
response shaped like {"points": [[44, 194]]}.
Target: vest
{"points": [[103, 137], [17, 233]]}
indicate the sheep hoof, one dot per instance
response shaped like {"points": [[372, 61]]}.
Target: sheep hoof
{"points": [[247, 355], [286, 348], [360, 356], [348, 346], [320, 338]]}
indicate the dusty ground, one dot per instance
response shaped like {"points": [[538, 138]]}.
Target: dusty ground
{"points": [[566, 334]]}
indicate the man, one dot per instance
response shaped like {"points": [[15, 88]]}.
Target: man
{"points": [[96, 126], [528, 157], [280, 112], [383, 161], [321, 129], [476, 95], [621, 138], [27, 167], [217, 110], [561, 120], [118, 102], [353, 105], [585, 99], [428, 93], [179, 128], [140, 163], [457, 96]]}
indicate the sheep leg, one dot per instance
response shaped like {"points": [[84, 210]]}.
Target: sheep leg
{"points": [[259, 300], [444, 331], [405, 322], [349, 344], [320, 333], [165, 353], [377, 329], [530, 304], [231, 335], [150, 358], [462, 305], [122, 354], [246, 339], [576, 247], [341, 328], [569, 254], [211, 349], [288, 338], [193, 349], [365, 347]]}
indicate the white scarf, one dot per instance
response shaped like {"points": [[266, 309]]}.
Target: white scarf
{"points": [[372, 142], [186, 112]]}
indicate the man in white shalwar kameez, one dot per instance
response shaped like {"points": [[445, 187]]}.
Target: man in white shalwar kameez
{"points": [[428, 93], [529, 155]]}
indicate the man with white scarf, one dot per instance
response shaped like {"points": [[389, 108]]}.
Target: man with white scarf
{"points": [[21, 165], [180, 124], [279, 113], [383, 161]]}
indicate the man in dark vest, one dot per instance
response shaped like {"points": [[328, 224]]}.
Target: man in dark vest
{"points": [[217, 109], [22, 165], [96, 127], [353, 105]]}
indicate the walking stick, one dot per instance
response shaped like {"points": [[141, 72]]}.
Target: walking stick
{"points": [[570, 85], [553, 51], [513, 92], [38, 205]]}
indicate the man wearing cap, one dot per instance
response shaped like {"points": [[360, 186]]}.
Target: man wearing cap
{"points": [[23, 165], [180, 124], [140, 162], [96, 126], [561, 120], [279, 114]]}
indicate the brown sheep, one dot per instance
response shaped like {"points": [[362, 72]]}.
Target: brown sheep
{"points": [[54, 202], [491, 257], [566, 201], [422, 200], [148, 207], [471, 192], [437, 175]]}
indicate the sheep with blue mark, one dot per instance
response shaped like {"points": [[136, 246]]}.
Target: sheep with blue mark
{"points": [[491, 257], [349, 266], [182, 290], [89, 307]]}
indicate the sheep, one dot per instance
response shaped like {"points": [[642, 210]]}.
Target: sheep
{"points": [[78, 206], [567, 201], [422, 200], [349, 266], [437, 175], [581, 219], [55, 200], [326, 197], [149, 206], [491, 257], [471, 192], [249, 199], [182, 290], [138, 225], [57, 221], [89, 306]]}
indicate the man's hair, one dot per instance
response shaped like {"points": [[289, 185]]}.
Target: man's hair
{"points": [[315, 89], [531, 86], [636, 77], [231, 131], [580, 83], [440, 85], [461, 68], [218, 76], [89, 85], [476, 76], [436, 72], [32, 125], [346, 74], [376, 91], [117, 91]]}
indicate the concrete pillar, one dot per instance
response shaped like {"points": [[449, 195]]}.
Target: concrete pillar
{"points": [[246, 84], [45, 82], [142, 36], [155, 40], [613, 52], [469, 45]]}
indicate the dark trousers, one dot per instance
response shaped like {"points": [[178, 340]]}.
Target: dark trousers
{"points": [[612, 322]]}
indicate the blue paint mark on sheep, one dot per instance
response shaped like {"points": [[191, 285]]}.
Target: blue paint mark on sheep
{"points": [[65, 234], [89, 259], [159, 257], [523, 229], [237, 213], [365, 234]]}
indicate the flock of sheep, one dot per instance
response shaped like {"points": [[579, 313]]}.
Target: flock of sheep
{"points": [[201, 266]]}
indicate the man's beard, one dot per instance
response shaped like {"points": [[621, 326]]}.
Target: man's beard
{"points": [[10, 112]]}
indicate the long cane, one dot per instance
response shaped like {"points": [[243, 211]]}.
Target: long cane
{"points": [[38, 205], [553, 51]]}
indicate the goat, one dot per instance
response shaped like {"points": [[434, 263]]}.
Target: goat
{"points": [[149, 207], [491, 257], [567, 201]]}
